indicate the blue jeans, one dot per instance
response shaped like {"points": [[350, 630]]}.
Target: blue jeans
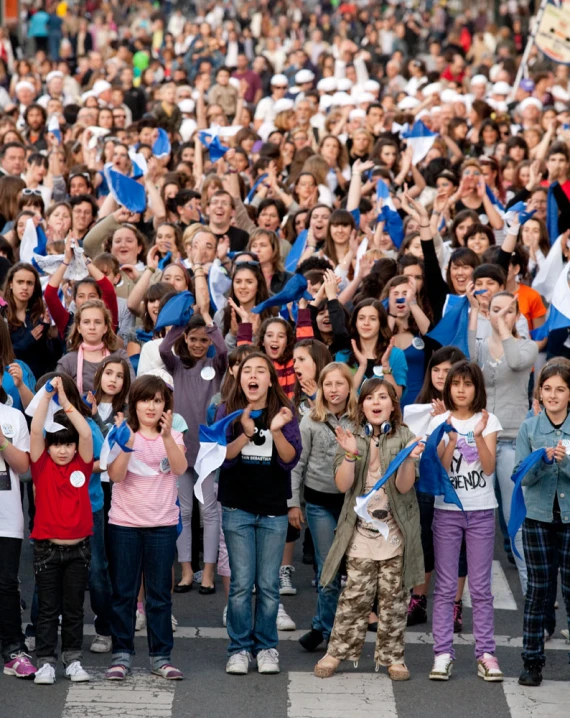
{"points": [[135, 551], [255, 548], [99, 582], [503, 472], [322, 523]]}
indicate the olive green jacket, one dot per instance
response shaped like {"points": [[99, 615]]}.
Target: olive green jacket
{"points": [[404, 508]]}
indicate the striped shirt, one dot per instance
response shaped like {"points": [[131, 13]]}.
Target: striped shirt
{"points": [[143, 501]]}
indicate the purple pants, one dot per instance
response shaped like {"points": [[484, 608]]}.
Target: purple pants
{"points": [[449, 527]]}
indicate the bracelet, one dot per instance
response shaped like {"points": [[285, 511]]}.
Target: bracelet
{"points": [[6, 445], [248, 437], [387, 371], [349, 461], [152, 270], [424, 226], [350, 457], [412, 302], [68, 411], [65, 264]]}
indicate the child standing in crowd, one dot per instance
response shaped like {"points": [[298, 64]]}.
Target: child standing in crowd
{"points": [[143, 528], [62, 462], [468, 454], [255, 483], [380, 566], [334, 405], [546, 531]]}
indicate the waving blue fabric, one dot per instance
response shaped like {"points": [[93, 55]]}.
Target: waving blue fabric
{"points": [[434, 479], [295, 289], [518, 508], [176, 312]]}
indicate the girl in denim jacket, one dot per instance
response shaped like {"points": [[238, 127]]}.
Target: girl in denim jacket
{"points": [[546, 529]]}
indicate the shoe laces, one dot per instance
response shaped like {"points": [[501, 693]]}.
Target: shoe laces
{"points": [[21, 656], [270, 654], [46, 668], [490, 662], [74, 668], [285, 574]]}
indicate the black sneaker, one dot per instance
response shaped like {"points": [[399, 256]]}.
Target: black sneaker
{"points": [[308, 557], [417, 610], [457, 616], [312, 640], [531, 674]]}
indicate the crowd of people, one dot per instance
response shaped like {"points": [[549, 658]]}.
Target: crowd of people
{"points": [[335, 234]]}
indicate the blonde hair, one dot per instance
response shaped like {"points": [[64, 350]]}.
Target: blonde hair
{"points": [[109, 338], [319, 411], [194, 229]]}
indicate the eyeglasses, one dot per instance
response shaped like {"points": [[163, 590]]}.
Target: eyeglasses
{"points": [[27, 192]]}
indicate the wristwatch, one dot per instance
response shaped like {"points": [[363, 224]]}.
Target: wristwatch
{"points": [[387, 370]]}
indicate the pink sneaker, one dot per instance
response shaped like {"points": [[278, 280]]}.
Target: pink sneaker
{"points": [[488, 668], [20, 666], [169, 672]]}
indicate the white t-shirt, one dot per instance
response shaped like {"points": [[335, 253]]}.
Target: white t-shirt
{"points": [[474, 488], [15, 429]]}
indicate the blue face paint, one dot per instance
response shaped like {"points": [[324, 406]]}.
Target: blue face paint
{"points": [[480, 291], [401, 300]]}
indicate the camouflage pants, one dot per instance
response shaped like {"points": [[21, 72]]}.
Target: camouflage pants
{"points": [[366, 580]]}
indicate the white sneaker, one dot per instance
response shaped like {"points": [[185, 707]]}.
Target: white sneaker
{"points": [[45, 676], [174, 623], [441, 670], [101, 644], [565, 633], [76, 673], [284, 620], [286, 587], [268, 661], [238, 664], [225, 617], [140, 623]]}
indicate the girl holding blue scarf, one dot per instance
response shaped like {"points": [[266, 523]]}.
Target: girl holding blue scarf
{"points": [[384, 557], [546, 528]]}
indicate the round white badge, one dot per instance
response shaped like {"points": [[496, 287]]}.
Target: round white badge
{"points": [[208, 373], [8, 431], [165, 466], [9, 401], [378, 371], [77, 479], [418, 343]]}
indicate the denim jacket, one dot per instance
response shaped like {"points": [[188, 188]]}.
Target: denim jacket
{"points": [[544, 480]]}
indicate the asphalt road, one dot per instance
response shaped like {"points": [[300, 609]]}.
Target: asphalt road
{"points": [[200, 651]]}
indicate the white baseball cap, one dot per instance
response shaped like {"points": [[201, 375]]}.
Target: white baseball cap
{"points": [[327, 84], [344, 84], [304, 76], [101, 86], [279, 80], [187, 105], [408, 103], [501, 88], [529, 101], [53, 74], [283, 105]]}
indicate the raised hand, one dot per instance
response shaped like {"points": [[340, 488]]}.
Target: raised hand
{"points": [[386, 356], [92, 402], [247, 422], [152, 258], [284, 416], [166, 424], [346, 440], [481, 425], [359, 356], [438, 407]]}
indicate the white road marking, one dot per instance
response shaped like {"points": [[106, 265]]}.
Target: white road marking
{"points": [[347, 695], [502, 593], [412, 637], [551, 700], [142, 695]]}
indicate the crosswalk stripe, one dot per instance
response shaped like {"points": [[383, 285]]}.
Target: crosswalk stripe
{"points": [[349, 695], [141, 696], [551, 700], [501, 590], [412, 637]]}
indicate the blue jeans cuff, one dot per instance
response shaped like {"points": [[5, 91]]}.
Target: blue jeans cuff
{"points": [[159, 661], [122, 659]]}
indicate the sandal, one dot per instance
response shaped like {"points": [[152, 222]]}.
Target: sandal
{"points": [[322, 671], [399, 672]]}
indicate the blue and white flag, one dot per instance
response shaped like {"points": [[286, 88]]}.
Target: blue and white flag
{"points": [[55, 128], [393, 223], [494, 199], [519, 208], [296, 251], [211, 142], [140, 165], [548, 274], [420, 138], [177, 311], [34, 241], [161, 147], [219, 283], [295, 289], [213, 448], [518, 506], [126, 191], [559, 311], [434, 479], [115, 442], [451, 330], [361, 507], [50, 425]]}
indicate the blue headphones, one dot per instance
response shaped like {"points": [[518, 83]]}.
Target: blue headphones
{"points": [[385, 428]]}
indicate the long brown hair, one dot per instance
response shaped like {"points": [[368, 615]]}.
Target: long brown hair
{"points": [[109, 338], [35, 302], [288, 351], [384, 333], [120, 399], [7, 355], [10, 188], [319, 353], [276, 397]]}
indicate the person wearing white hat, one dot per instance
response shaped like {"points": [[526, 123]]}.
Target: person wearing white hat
{"points": [[500, 91], [327, 85], [102, 90], [530, 110], [265, 111], [479, 87], [304, 80]]}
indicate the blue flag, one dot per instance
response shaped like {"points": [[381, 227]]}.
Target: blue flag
{"points": [[161, 147], [252, 191], [518, 508], [362, 502], [393, 223], [213, 447], [295, 289], [55, 128], [559, 310], [434, 479], [420, 138], [494, 199], [552, 214], [165, 261], [177, 311], [125, 190], [296, 252], [451, 330], [214, 147]]}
